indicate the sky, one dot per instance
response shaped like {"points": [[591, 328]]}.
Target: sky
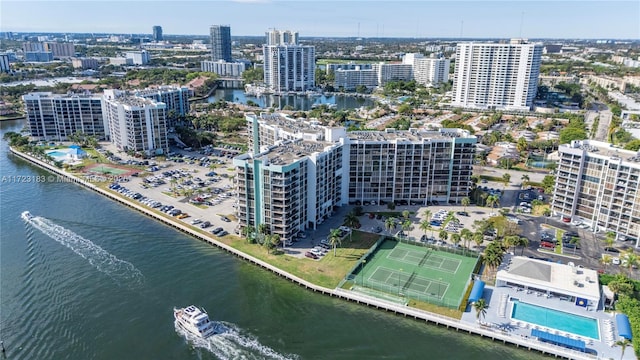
{"points": [[576, 19]]}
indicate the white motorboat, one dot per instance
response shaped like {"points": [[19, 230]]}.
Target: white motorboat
{"points": [[26, 215], [194, 320]]}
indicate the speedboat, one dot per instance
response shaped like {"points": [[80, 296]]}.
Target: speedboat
{"points": [[194, 320], [26, 215]]}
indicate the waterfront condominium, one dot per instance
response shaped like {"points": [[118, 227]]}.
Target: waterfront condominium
{"points": [[175, 98], [220, 42], [288, 66], [599, 185], [56, 117], [428, 71], [298, 172], [496, 76], [136, 124]]}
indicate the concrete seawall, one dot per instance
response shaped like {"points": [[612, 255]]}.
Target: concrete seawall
{"points": [[506, 338]]}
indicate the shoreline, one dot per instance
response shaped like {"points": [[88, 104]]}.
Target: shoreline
{"points": [[425, 316]]}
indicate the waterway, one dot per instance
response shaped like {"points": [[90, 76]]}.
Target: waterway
{"points": [[95, 280], [297, 102]]}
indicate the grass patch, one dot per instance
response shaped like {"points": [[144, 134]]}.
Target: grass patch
{"points": [[327, 272], [201, 206], [538, 210], [492, 178], [452, 313]]}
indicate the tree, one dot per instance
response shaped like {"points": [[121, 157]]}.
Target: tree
{"points": [[629, 260], [390, 223], [267, 242], [623, 343], [427, 214], [621, 286], [334, 239], [606, 260], [569, 134], [467, 235], [465, 201], [406, 225], [249, 233], [524, 242], [406, 214], [493, 200], [425, 225], [506, 177], [525, 180], [481, 307], [575, 241], [444, 235], [548, 184], [610, 239], [263, 230], [352, 221], [478, 238], [455, 238]]}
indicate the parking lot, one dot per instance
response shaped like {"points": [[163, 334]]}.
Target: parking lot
{"points": [[185, 186]]}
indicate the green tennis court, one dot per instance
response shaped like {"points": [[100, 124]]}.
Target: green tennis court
{"points": [[415, 272]]}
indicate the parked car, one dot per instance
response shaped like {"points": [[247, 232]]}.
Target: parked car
{"points": [[310, 255], [205, 225]]}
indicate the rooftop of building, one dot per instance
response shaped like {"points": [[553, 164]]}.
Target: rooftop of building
{"points": [[413, 135], [291, 151], [135, 101], [602, 149], [561, 278], [293, 125]]}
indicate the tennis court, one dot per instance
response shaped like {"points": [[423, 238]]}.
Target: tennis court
{"points": [[428, 259], [411, 271]]}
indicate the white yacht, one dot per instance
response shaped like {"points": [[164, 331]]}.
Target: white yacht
{"points": [[195, 321], [26, 215]]}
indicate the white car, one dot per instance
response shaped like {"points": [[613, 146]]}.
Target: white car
{"points": [[615, 261], [196, 222]]}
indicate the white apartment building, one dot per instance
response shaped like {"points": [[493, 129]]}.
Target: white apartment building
{"points": [[393, 72], [56, 117], [281, 37], [431, 71], [138, 57], [349, 79], [175, 98], [84, 63], [599, 185], [298, 172], [496, 76], [135, 123], [289, 67], [223, 68]]}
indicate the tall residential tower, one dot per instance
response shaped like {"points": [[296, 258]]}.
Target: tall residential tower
{"points": [[496, 76], [288, 66], [220, 43]]}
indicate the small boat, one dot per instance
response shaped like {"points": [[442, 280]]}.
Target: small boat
{"points": [[194, 320], [26, 215]]}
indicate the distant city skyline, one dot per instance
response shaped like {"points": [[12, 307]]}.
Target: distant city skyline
{"points": [[355, 18]]}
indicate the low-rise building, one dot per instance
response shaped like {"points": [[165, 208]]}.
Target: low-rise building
{"points": [[84, 63], [223, 68]]}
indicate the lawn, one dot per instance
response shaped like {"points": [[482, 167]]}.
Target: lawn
{"points": [[327, 272]]}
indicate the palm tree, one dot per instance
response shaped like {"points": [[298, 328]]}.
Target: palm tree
{"points": [[465, 201], [455, 238], [467, 235], [444, 235], [493, 200], [406, 214], [629, 260], [610, 238], [248, 232], [478, 238], [606, 260], [484, 196], [427, 214], [351, 220], [334, 239], [263, 230], [510, 241], [524, 242], [481, 307], [406, 226], [390, 223], [275, 240], [623, 344], [576, 242], [425, 225], [267, 242], [506, 177], [525, 180]]}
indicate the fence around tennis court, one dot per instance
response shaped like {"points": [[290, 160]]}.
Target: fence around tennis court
{"points": [[355, 275]]}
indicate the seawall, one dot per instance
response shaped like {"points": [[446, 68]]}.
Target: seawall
{"points": [[405, 311]]}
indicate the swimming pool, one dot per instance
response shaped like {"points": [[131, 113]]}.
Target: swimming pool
{"points": [[554, 319], [57, 154]]}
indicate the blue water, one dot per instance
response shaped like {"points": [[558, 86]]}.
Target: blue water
{"points": [[57, 154], [555, 319]]}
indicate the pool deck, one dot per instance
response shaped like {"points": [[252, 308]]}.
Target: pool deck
{"points": [[498, 317]]}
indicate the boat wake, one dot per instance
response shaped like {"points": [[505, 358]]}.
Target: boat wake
{"points": [[231, 343], [122, 272]]}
